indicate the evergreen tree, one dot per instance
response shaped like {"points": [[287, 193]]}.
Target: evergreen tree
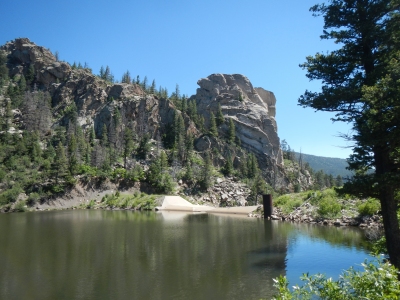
{"points": [[30, 75], [231, 131], [153, 87], [359, 85], [22, 84], [128, 145], [126, 77], [3, 67], [8, 116], [102, 72], [72, 155], [145, 84], [92, 136], [338, 181], [213, 126], [60, 163], [104, 136], [220, 117], [228, 166], [243, 171], [206, 179], [144, 147], [184, 104]]}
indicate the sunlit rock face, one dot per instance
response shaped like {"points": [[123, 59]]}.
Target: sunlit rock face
{"points": [[251, 109]]}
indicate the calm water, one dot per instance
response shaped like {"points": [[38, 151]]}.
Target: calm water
{"points": [[93, 254]]}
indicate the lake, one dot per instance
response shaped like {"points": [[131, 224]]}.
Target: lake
{"points": [[99, 254]]}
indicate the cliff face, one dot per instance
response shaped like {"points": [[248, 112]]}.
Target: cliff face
{"points": [[251, 109], [95, 99], [99, 102]]}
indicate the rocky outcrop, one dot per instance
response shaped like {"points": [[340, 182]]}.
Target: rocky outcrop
{"points": [[99, 103], [96, 100], [251, 109], [23, 53], [225, 192]]}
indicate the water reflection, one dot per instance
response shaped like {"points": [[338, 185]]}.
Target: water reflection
{"points": [[91, 254]]}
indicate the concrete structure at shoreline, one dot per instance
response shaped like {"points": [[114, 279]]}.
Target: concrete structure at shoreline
{"points": [[177, 203]]}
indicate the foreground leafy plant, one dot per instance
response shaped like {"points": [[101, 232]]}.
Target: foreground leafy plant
{"points": [[378, 280]]}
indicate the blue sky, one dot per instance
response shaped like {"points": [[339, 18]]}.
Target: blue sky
{"points": [[179, 42]]}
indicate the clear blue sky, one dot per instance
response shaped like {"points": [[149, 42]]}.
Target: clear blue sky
{"points": [[181, 41]]}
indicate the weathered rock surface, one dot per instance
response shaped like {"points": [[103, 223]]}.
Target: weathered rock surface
{"points": [[251, 109], [99, 103]]}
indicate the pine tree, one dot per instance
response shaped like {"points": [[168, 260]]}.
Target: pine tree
{"points": [[60, 163], [22, 84], [231, 131], [153, 87], [128, 145], [360, 85], [213, 126], [220, 117], [104, 136], [72, 155], [144, 147], [92, 136], [206, 179], [30, 75], [228, 166]]}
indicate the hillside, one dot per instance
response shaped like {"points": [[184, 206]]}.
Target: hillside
{"points": [[64, 127], [330, 165]]}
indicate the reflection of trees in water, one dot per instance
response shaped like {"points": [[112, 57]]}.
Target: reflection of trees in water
{"points": [[336, 236], [123, 254]]}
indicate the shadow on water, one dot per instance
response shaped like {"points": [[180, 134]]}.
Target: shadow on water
{"points": [[93, 254]]}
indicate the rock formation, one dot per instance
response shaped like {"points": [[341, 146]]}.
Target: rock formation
{"points": [[251, 109], [98, 102]]}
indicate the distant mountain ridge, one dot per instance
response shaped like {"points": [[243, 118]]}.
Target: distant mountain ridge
{"points": [[330, 165]]}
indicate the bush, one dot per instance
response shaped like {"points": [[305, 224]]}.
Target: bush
{"points": [[328, 207], [288, 203], [378, 280], [32, 199], [10, 195], [370, 207], [20, 206]]}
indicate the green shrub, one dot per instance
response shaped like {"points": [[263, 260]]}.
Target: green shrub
{"points": [[378, 280], [10, 195], [370, 207], [328, 207], [20, 206], [90, 204], [87, 170], [288, 203], [32, 199]]}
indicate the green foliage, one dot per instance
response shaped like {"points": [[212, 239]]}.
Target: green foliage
{"points": [[288, 203], [158, 175], [20, 206], [231, 131], [369, 207], [219, 117], [213, 126], [227, 169], [329, 208], [205, 180], [144, 147], [360, 83], [33, 199], [10, 195], [138, 201], [377, 281]]}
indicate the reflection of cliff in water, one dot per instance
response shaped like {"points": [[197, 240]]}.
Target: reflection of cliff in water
{"points": [[91, 254]]}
